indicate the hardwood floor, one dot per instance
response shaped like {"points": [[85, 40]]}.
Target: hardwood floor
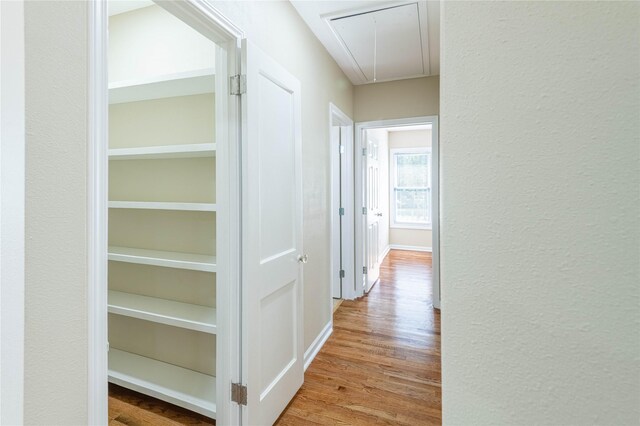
{"points": [[382, 362], [127, 407]]}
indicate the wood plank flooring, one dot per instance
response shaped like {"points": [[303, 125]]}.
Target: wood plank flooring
{"points": [[380, 366], [382, 363]]}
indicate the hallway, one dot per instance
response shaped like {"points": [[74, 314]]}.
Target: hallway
{"points": [[382, 362]]}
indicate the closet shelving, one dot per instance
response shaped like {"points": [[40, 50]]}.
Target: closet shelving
{"points": [[184, 83], [180, 386], [162, 210], [169, 312], [161, 205], [164, 151], [167, 259]]}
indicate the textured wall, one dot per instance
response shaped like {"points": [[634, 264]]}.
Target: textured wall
{"points": [[540, 233], [397, 99], [56, 239]]}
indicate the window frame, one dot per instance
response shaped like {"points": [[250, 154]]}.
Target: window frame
{"points": [[392, 187]]}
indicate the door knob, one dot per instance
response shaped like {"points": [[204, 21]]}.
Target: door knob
{"points": [[378, 214], [303, 258]]}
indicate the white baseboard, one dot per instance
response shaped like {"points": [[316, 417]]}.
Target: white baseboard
{"points": [[411, 248], [385, 253], [317, 344]]}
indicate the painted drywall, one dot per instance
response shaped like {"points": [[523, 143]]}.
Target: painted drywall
{"points": [[540, 169], [381, 138], [402, 236], [397, 99], [150, 41], [56, 342], [276, 28]]}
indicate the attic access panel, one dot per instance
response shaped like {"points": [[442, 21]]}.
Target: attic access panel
{"points": [[385, 44]]}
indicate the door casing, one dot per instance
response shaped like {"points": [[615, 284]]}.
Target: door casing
{"points": [[339, 118], [207, 20], [360, 220]]}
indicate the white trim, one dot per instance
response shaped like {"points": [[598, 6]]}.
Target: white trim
{"points": [[317, 344], [385, 253], [339, 118], [97, 213], [360, 220], [12, 211], [410, 248]]}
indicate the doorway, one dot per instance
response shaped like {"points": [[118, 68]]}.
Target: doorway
{"points": [[397, 188], [342, 206]]}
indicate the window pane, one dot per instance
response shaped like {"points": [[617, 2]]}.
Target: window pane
{"points": [[413, 205], [412, 170]]}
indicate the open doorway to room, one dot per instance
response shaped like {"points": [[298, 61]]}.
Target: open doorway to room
{"points": [[342, 206], [396, 188]]}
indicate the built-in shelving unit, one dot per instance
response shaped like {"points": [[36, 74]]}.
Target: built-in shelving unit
{"points": [[166, 86], [163, 311], [163, 210], [164, 151], [155, 205], [180, 386], [167, 259]]}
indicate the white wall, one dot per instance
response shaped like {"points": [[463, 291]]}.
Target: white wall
{"points": [[56, 343], [401, 236], [150, 41], [540, 170], [277, 29]]}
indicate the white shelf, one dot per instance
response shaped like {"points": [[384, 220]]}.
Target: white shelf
{"points": [[166, 86], [169, 312], [168, 259], [175, 385], [154, 205], [195, 150]]}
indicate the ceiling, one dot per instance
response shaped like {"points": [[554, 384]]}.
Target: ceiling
{"points": [[375, 41]]}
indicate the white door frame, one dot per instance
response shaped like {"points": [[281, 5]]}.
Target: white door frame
{"points": [[12, 211], [435, 194], [339, 118], [207, 20]]}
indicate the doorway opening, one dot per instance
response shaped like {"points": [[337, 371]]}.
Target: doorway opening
{"points": [[397, 194], [342, 207]]}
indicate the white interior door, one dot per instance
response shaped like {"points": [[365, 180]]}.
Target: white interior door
{"points": [[338, 212], [272, 336], [374, 213]]}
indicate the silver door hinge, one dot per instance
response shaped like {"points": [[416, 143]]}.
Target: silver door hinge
{"points": [[364, 210], [239, 393], [341, 273], [238, 84], [364, 270], [341, 211], [364, 152], [341, 149]]}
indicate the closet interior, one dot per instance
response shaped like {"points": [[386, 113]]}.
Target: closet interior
{"points": [[163, 209]]}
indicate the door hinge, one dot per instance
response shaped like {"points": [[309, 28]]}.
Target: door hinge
{"points": [[341, 149], [238, 84], [364, 270], [341, 273], [239, 393], [341, 211], [364, 152], [364, 210]]}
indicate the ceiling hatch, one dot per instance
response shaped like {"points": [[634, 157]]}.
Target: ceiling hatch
{"points": [[385, 44]]}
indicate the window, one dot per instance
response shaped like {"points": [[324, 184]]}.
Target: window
{"points": [[411, 188]]}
